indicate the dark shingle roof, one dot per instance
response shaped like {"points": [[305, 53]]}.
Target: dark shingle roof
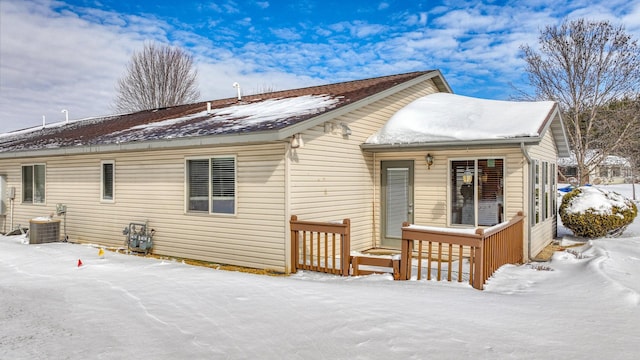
{"points": [[191, 120]]}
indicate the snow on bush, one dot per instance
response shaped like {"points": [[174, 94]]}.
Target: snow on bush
{"points": [[593, 212]]}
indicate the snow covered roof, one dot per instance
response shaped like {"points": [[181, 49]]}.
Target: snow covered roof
{"points": [[265, 117], [593, 155], [448, 119]]}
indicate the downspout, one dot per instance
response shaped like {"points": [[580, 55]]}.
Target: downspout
{"points": [[287, 207], [374, 231], [527, 191]]}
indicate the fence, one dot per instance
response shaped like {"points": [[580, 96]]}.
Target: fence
{"points": [[484, 250], [320, 246]]}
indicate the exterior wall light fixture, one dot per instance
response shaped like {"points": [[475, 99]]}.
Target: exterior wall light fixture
{"points": [[296, 141], [429, 160]]}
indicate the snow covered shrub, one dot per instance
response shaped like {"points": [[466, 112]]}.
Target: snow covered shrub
{"points": [[591, 212]]}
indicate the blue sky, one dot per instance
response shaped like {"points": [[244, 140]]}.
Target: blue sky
{"points": [[69, 55]]}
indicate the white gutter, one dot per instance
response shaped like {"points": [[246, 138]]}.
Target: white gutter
{"points": [[453, 144], [287, 207]]}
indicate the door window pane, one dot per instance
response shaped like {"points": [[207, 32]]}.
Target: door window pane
{"points": [[462, 192], [397, 201], [490, 191], [477, 197]]}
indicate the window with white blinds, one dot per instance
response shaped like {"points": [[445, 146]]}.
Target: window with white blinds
{"points": [[477, 191], [33, 184], [223, 185], [212, 185]]}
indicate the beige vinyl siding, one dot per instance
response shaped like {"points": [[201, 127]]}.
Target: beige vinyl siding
{"points": [[429, 188], [332, 178], [544, 232], [150, 185]]}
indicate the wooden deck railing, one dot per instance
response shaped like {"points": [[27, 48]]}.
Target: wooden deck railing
{"points": [[485, 250], [320, 246]]}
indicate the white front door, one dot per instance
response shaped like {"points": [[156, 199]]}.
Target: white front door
{"points": [[397, 200]]}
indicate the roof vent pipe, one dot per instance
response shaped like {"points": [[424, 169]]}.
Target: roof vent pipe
{"points": [[208, 107], [43, 122], [237, 86], [66, 115]]}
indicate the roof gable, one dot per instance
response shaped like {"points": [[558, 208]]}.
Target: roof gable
{"points": [[449, 117], [442, 119], [255, 114]]}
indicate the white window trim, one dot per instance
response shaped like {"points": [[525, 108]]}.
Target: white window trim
{"points": [[34, 190], [113, 181], [235, 184]]}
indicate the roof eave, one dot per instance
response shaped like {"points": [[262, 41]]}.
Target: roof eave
{"points": [[456, 144], [555, 123], [212, 140]]}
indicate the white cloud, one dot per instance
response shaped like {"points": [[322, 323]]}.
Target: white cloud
{"points": [[56, 56], [323, 32], [229, 7], [358, 29], [286, 34], [52, 61], [246, 21]]}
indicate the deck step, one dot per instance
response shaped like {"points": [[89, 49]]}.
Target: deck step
{"points": [[383, 265]]}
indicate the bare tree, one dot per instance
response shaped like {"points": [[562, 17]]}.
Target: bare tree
{"points": [[627, 111], [158, 76], [583, 66]]}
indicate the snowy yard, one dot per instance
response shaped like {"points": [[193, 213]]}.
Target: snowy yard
{"points": [[121, 306]]}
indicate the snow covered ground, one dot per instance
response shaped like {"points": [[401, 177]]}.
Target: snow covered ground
{"points": [[120, 306]]}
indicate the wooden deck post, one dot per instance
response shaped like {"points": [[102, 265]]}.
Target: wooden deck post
{"points": [[406, 254], [345, 257], [478, 263], [295, 246]]}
